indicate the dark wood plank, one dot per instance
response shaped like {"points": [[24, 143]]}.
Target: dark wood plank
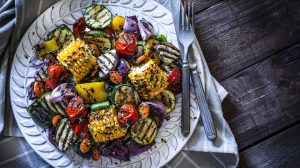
{"points": [[282, 150], [204, 4], [264, 98], [235, 34]]}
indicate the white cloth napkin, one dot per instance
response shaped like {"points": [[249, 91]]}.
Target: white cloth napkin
{"points": [[14, 21]]}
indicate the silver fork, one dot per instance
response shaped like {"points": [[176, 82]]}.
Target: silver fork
{"points": [[186, 38]]}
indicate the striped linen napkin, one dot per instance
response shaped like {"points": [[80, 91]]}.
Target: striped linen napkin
{"points": [[15, 18]]}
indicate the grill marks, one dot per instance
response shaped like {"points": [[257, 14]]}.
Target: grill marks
{"points": [[106, 63], [63, 36], [97, 16], [168, 53], [64, 135], [144, 131]]}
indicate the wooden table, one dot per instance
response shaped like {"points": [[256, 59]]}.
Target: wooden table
{"points": [[253, 48]]}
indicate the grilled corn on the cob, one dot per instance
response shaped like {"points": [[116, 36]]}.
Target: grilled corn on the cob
{"points": [[148, 79], [77, 58], [104, 125]]}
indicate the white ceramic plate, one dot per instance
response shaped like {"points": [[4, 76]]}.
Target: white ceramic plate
{"points": [[169, 140]]}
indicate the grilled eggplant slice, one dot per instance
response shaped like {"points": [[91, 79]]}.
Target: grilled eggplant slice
{"points": [[64, 135], [97, 16], [168, 99], [107, 62], [100, 39], [63, 36], [168, 53], [144, 131]]}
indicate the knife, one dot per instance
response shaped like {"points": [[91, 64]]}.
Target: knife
{"points": [[209, 126], [205, 113]]}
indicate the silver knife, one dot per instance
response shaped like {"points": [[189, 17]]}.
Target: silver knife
{"points": [[208, 123], [205, 113]]}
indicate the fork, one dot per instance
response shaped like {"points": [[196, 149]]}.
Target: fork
{"points": [[186, 38]]}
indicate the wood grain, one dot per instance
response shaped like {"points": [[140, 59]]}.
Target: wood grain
{"points": [[235, 34], [264, 98], [282, 150], [204, 4]]}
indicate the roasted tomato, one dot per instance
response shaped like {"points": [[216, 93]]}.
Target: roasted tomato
{"points": [[126, 44], [76, 108], [127, 114], [115, 77], [79, 28], [174, 79], [57, 75]]}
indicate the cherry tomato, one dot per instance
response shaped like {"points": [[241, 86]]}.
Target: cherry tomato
{"points": [[126, 44], [76, 108], [79, 28], [57, 75], [127, 114], [175, 79], [95, 154], [85, 145], [38, 88]]}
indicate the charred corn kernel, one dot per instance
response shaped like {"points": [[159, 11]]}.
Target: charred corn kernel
{"points": [[148, 79], [77, 58], [104, 125]]}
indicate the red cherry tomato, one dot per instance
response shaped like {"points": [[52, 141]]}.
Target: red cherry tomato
{"points": [[175, 79], [57, 75], [76, 108], [127, 114], [79, 28], [126, 44], [38, 88]]}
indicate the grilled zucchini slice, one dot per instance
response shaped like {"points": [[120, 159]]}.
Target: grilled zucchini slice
{"points": [[63, 36], [124, 93], [144, 131], [97, 16], [57, 107], [64, 135], [41, 115], [168, 53], [100, 39], [168, 99]]}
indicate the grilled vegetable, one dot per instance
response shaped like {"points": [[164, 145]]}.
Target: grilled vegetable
{"points": [[92, 92], [123, 67], [118, 23], [146, 29], [100, 39], [107, 62], [76, 58], [97, 16], [41, 116], [55, 107], [144, 110], [126, 44], [64, 135], [76, 108], [148, 79], [168, 53], [38, 88], [76, 148], [124, 93], [115, 77], [57, 75], [104, 125], [131, 26], [160, 37], [127, 114], [144, 131], [101, 105], [168, 98], [175, 79], [95, 154], [79, 28], [55, 120], [62, 92], [63, 36], [42, 73], [43, 50], [85, 145], [82, 129], [157, 112]]}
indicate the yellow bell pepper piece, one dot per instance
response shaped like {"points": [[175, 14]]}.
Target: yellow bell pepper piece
{"points": [[118, 23], [92, 92], [50, 45]]}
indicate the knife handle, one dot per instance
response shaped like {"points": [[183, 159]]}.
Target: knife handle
{"points": [[209, 127], [185, 115]]}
